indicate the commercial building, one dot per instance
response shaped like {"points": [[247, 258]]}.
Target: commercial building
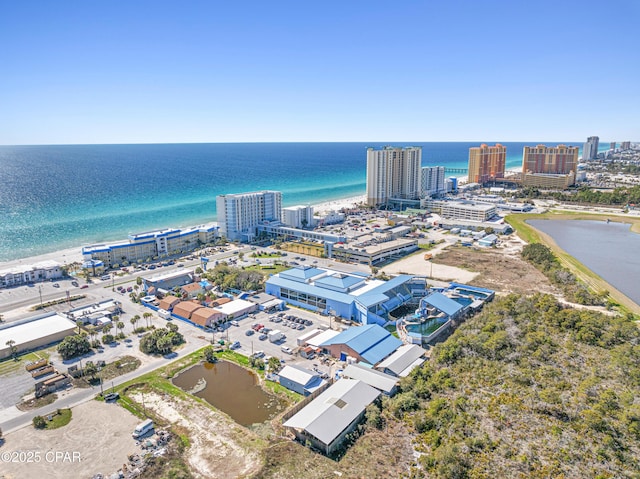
{"points": [[298, 216], [404, 360], [143, 247], [549, 181], [487, 163], [393, 173], [300, 380], [31, 273], [237, 308], [35, 332], [384, 383], [239, 214], [368, 344], [590, 148], [326, 420], [373, 253], [625, 145], [462, 210], [432, 181], [349, 296], [168, 281]]}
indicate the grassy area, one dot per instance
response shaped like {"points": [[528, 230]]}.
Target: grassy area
{"points": [[60, 418], [9, 365], [272, 269]]}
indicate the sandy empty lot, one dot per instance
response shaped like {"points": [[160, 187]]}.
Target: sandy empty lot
{"points": [[98, 439]]}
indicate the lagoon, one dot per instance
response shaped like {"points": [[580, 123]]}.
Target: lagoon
{"points": [[608, 249]]}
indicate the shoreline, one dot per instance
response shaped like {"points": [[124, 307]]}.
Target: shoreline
{"points": [[71, 255]]}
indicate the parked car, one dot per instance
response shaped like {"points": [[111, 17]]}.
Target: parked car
{"points": [[84, 286], [262, 337], [235, 345], [286, 349], [258, 354], [249, 332], [111, 397], [235, 323]]}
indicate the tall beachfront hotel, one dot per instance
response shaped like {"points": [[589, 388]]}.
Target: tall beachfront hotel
{"points": [[487, 163], [432, 181], [590, 148], [549, 167], [239, 214], [393, 173]]}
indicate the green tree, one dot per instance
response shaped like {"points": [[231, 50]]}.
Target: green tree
{"points": [[39, 422], [90, 369], [73, 346], [120, 326], [274, 364], [147, 317], [138, 280], [79, 324], [209, 354]]}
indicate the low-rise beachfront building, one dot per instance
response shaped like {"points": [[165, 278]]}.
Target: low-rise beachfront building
{"points": [[498, 228], [168, 281], [185, 309], [35, 332], [374, 253], [326, 420], [348, 295], [30, 273], [549, 181], [142, 247], [206, 317]]}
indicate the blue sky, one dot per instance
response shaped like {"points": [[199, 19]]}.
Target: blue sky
{"points": [[209, 71]]}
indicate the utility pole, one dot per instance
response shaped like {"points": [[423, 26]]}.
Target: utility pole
{"points": [[40, 291]]}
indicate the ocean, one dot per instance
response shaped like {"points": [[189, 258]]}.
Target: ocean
{"points": [[64, 196]]}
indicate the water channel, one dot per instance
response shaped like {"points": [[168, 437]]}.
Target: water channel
{"points": [[611, 250], [232, 389]]}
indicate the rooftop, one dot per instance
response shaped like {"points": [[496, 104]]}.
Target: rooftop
{"points": [[334, 410]]}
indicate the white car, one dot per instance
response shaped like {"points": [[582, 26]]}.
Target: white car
{"points": [[286, 349]]}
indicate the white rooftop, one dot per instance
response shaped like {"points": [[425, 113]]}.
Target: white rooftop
{"points": [[322, 337], [378, 380], [235, 306], [32, 329], [405, 358], [334, 410], [297, 374]]}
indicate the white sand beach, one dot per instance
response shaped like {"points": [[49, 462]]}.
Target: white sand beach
{"points": [[71, 255]]}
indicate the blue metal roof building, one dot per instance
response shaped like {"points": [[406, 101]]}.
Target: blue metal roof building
{"points": [[370, 344], [350, 296]]}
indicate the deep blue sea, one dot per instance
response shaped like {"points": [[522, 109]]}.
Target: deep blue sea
{"points": [[63, 196]]}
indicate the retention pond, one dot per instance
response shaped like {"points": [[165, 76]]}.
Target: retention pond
{"points": [[608, 249], [231, 388]]}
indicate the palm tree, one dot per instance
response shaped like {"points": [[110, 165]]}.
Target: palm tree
{"points": [[133, 322], [12, 345], [147, 316], [79, 324], [1, 318], [92, 332], [120, 326]]}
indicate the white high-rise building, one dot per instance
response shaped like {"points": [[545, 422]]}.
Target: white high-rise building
{"points": [[393, 173], [590, 148], [298, 216], [239, 214], [432, 181]]}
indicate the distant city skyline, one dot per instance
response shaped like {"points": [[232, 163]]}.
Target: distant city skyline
{"points": [[216, 72]]}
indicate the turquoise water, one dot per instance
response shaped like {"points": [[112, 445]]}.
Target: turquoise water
{"points": [[63, 196]]}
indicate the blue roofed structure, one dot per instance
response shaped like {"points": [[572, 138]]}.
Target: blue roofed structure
{"points": [[370, 344], [348, 295], [442, 303]]}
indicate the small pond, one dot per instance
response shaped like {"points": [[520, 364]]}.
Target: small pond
{"points": [[232, 389]]}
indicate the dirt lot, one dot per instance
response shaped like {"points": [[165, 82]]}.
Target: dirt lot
{"points": [[219, 447], [500, 269], [97, 440]]}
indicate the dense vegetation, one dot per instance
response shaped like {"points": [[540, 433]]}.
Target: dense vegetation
{"points": [[528, 389], [73, 346], [161, 341], [620, 196], [228, 277], [575, 291]]}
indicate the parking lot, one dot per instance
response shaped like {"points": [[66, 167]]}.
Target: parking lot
{"points": [[250, 343]]}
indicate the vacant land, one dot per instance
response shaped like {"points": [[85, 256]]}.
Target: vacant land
{"points": [[502, 270], [99, 434], [218, 447]]}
